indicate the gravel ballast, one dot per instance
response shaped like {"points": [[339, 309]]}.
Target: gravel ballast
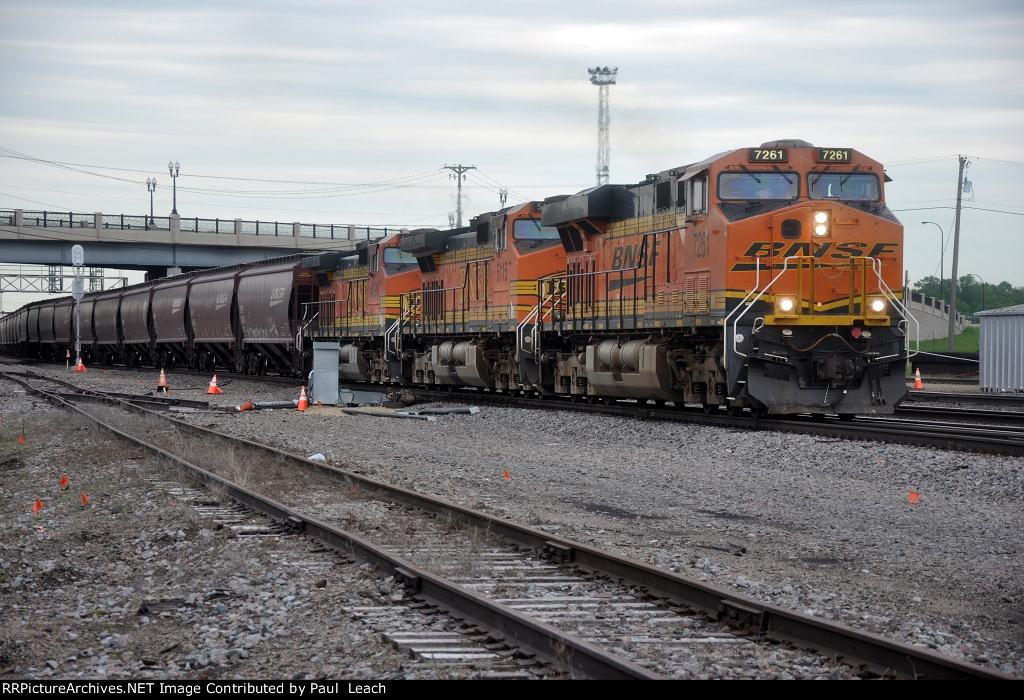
{"points": [[139, 583], [815, 524]]}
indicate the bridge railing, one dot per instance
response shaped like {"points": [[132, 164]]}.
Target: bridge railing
{"points": [[130, 222]]}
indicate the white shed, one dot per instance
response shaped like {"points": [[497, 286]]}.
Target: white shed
{"points": [[1001, 349]]}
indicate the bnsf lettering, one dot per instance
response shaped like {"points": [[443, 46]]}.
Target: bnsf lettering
{"points": [[625, 257], [278, 293], [841, 251]]}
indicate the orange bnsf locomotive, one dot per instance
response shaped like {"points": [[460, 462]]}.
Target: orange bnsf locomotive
{"points": [[768, 278], [433, 307]]}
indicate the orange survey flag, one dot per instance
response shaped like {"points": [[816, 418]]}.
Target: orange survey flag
{"points": [[21, 439], [85, 499], [37, 506], [64, 481], [505, 475]]}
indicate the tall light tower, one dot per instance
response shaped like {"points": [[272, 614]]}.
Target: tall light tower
{"points": [[602, 78]]}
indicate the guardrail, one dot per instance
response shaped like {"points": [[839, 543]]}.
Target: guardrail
{"points": [[141, 222]]}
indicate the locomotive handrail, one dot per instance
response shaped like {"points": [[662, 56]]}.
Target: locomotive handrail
{"points": [[904, 312], [735, 324], [725, 321]]}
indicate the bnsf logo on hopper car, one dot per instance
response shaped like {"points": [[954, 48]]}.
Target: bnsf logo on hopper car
{"points": [[176, 304], [222, 300], [277, 295]]}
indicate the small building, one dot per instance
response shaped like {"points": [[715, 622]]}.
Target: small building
{"points": [[1001, 349]]}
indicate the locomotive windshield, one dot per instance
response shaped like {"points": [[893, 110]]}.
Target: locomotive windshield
{"points": [[851, 187], [397, 260], [531, 230], [529, 235], [754, 185]]}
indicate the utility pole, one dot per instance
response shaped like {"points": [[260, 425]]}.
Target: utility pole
{"points": [[964, 164], [459, 173], [602, 78]]}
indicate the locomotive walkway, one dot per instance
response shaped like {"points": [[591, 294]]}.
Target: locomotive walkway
{"points": [[143, 243]]}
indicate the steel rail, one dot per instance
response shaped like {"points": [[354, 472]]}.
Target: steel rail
{"points": [[874, 652], [547, 642], [969, 437], [972, 414], [1003, 440], [966, 398]]}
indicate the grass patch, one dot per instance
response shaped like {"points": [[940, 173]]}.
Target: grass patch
{"points": [[967, 341]]}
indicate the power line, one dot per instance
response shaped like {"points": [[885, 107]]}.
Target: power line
{"points": [[915, 161], [997, 211], [335, 189]]}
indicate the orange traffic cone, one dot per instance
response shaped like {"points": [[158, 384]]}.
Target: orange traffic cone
{"points": [[303, 400], [918, 384], [162, 387], [79, 367], [213, 388]]}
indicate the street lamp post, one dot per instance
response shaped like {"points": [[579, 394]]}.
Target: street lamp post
{"points": [[151, 187], [173, 168], [942, 251]]}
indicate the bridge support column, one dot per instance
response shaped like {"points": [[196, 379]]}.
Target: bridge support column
{"points": [[19, 218], [238, 231], [174, 226], [351, 233], [296, 230], [97, 223]]}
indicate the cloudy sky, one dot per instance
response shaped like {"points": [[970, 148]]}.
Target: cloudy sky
{"points": [[357, 105]]}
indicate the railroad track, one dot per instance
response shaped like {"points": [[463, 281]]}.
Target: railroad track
{"points": [[1012, 400], [595, 613], [995, 432]]}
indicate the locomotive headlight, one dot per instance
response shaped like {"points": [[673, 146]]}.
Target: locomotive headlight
{"points": [[877, 305], [821, 223], [786, 304]]}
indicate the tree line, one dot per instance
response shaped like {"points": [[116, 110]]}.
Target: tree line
{"points": [[971, 295]]}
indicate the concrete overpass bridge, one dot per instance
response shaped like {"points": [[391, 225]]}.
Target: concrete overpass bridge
{"points": [[163, 243]]}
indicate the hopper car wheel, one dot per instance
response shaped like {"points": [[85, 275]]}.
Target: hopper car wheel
{"points": [[847, 416], [758, 411], [818, 417], [732, 410], [607, 400], [709, 408]]}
